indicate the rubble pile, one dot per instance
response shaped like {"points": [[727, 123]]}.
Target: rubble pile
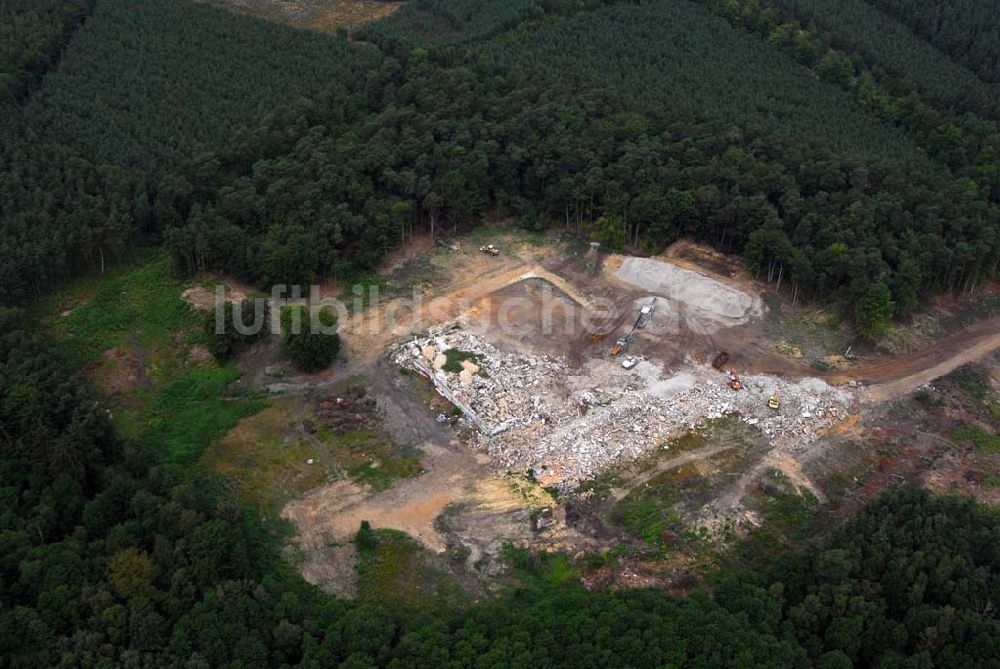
{"points": [[535, 413], [504, 390]]}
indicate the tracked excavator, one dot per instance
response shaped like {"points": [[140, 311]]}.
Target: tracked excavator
{"points": [[640, 322]]}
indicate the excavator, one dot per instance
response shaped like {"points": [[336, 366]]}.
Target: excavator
{"points": [[640, 322], [772, 401], [734, 380]]}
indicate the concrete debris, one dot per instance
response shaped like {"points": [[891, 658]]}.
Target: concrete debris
{"points": [[534, 412]]}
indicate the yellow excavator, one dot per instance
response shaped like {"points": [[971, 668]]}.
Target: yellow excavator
{"points": [[772, 401]]}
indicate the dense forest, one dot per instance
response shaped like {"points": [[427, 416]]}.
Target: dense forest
{"points": [[109, 559], [967, 30], [149, 82], [856, 26], [633, 124], [33, 34]]}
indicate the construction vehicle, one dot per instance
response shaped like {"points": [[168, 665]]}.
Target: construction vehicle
{"points": [[720, 361], [734, 380], [644, 315], [489, 250], [772, 401], [640, 322], [629, 362]]}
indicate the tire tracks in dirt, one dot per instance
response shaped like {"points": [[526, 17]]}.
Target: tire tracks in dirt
{"points": [[894, 377]]}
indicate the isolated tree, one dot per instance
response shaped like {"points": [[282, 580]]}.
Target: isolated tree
{"points": [[309, 349], [227, 341], [873, 311]]}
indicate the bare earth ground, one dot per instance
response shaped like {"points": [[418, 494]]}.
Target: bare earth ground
{"points": [[320, 15], [464, 500], [896, 377]]}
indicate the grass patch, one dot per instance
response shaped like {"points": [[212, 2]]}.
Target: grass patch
{"points": [[548, 568], [795, 515], [643, 518], [973, 381], [455, 357], [791, 519], [192, 411], [688, 441], [363, 287], [394, 569], [174, 409], [286, 450], [141, 305], [982, 440], [379, 474], [660, 504]]}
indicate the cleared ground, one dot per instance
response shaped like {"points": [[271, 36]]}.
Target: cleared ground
{"points": [[549, 299], [320, 15]]}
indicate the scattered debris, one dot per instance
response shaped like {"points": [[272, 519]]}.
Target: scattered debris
{"points": [[536, 413]]}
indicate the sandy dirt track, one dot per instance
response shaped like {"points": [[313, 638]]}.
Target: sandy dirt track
{"points": [[895, 377]]}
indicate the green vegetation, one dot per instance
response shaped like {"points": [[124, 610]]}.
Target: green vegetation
{"points": [[792, 513], [825, 197], [136, 334], [289, 448], [967, 30], [394, 569], [449, 22], [192, 410], [32, 35], [309, 338], [381, 473], [149, 565], [646, 520], [722, 74], [140, 305], [455, 357], [873, 311], [859, 26], [139, 85], [632, 123], [200, 75], [983, 440], [235, 329], [848, 149], [967, 143]]}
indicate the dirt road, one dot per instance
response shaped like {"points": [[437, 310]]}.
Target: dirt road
{"points": [[889, 379]]}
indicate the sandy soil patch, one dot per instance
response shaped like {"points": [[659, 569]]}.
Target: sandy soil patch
{"points": [[202, 298]]}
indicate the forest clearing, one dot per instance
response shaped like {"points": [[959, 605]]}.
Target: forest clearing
{"points": [[480, 333], [585, 439], [320, 15], [565, 384]]}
